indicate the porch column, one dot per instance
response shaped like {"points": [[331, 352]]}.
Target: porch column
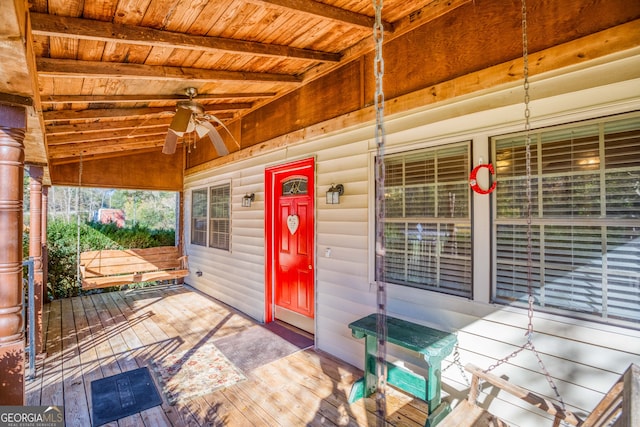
{"points": [[35, 246], [13, 124], [43, 240]]}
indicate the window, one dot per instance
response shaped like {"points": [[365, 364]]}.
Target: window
{"points": [[585, 218], [199, 217], [427, 219], [219, 216], [295, 186], [218, 201]]}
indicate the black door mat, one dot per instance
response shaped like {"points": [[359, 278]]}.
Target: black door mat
{"points": [[121, 395]]}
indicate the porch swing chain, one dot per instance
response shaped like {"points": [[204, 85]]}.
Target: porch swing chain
{"points": [[527, 128], [381, 295], [78, 222]]}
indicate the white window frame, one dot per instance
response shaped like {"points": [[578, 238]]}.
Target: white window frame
{"points": [[192, 218], [207, 218], [437, 222], [225, 186], [579, 309]]}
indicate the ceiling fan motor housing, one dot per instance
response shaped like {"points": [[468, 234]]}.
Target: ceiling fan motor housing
{"points": [[191, 105]]}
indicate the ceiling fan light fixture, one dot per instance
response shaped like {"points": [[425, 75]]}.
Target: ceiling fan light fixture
{"points": [[201, 130], [191, 126]]}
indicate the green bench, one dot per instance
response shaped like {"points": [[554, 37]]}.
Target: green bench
{"points": [[432, 345]]}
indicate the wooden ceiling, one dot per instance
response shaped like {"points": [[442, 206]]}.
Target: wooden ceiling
{"points": [[109, 73]]}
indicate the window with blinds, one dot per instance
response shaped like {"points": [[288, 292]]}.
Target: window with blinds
{"points": [[585, 187], [427, 224], [220, 216], [199, 217]]}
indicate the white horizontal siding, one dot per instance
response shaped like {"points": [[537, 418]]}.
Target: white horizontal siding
{"points": [[235, 277], [584, 357]]}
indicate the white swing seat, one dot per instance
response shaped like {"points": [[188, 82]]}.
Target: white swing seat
{"points": [[620, 407]]}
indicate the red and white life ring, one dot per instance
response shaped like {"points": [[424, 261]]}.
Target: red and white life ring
{"points": [[473, 181]]}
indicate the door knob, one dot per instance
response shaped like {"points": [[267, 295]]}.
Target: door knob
{"points": [[310, 267]]}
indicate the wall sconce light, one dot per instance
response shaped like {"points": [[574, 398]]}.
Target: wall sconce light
{"points": [[334, 193], [247, 199]]}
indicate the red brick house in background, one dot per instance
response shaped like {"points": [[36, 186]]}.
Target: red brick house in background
{"points": [[115, 216]]}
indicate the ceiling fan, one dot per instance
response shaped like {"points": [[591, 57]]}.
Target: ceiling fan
{"points": [[191, 117]]}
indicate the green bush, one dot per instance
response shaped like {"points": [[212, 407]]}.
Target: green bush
{"points": [[137, 236], [62, 241]]}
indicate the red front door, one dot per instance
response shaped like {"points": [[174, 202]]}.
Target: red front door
{"points": [[291, 237], [294, 260]]}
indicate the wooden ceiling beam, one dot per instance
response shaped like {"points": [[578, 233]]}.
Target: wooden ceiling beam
{"points": [[12, 99], [88, 99], [106, 135], [99, 125], [101, 113], [53, 129], [104, 147], [327, 11], [77, 28], [91, 149], [71, 68]]}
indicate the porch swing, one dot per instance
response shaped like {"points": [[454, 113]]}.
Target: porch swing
{"points": [[116, 267]]}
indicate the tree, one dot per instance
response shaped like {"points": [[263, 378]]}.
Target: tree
{"points": [[152, 209]]}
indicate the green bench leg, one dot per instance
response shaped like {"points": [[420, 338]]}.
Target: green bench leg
{"points": [[366, 385], [438, 415], [357, 391], [427, 389]]}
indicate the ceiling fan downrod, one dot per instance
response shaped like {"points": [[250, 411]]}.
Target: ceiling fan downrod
{"points": [[195, 108]]}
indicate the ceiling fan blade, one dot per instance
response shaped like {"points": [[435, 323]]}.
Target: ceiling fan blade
{"points": [[170, 143], [215, 138], [217, 120], [180, 121]]}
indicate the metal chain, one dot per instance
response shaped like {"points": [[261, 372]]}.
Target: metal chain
{"points": [[78, 281], [456, 362], [381, 292], [527, 128]]}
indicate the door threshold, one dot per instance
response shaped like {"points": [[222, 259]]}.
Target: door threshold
{"points": [[292, 328], [304, 323]]}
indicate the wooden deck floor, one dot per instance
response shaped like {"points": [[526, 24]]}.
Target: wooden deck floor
{"points": [[92, 337]]}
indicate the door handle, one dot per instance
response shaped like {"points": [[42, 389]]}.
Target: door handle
{"points": [[310, 267]]}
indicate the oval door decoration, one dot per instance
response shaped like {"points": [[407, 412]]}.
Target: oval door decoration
{"points": [[473, 181], [292, 223]]}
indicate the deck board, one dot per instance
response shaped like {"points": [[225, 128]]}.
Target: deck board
{"points": [[95, 336], [33, 388], [76, 404], [52, 391]]}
